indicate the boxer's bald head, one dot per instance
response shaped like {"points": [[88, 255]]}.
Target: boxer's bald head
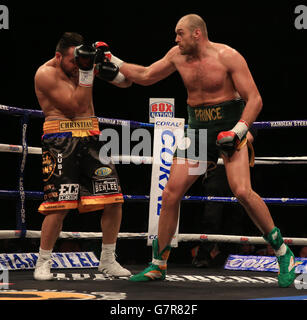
{"points": [[193, 22], [191, 31]]}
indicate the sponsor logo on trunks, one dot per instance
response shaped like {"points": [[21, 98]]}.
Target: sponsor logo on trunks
{"points": [[208, 114], [301, 20], [60, 165], [103, 171], [49, 187], [107, 186], [4, 17], [68, 192], [50, 192], [49, 165], [75, 125], [54, 206]]}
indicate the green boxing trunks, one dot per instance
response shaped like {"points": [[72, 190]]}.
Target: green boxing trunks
{"points": [[201, 146]]}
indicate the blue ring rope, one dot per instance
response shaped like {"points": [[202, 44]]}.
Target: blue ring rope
{"points": [[37, 195], [111, 121]]}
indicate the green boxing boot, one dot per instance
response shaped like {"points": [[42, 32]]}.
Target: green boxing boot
{"points": [[285, 258], [158, 266]]}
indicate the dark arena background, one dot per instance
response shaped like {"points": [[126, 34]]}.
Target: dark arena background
{"points": [[272, 37]]}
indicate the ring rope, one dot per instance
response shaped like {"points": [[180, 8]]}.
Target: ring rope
{"points": [[36, 195], [148, 160], [183, 237], [222, 238], [256, 125]]}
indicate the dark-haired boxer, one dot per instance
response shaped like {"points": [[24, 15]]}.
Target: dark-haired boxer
{"points": [[222, 98], [72, 171]]}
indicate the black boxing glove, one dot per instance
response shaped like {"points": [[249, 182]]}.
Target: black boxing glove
{"points": [[109, 71], [85, 58]]}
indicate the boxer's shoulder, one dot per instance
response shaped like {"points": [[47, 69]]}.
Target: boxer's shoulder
{"points": [[47, 74], [173, 53], [227, 55], [46, 70]]}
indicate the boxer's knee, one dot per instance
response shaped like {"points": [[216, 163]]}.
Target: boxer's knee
{"points": [[112, 210], [242, 193], [170, 196], [58, 215]]}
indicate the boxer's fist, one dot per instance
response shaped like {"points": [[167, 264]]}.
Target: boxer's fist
{"points": [[106, 70], [228, 141], [103, 52], [85, 57]]}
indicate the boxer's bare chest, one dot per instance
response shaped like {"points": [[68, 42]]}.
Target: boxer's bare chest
{"points": [[207, 74]]}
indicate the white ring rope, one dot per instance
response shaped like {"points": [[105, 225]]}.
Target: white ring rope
{"points": [[14, 234], [148, 160]]}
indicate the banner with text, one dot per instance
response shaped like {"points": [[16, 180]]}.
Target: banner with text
{"points": [[161, 107], [261, 263], [18, 261], [167, 133]]}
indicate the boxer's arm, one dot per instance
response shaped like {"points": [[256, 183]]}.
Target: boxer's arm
{"points": [[149, 75], [109, 71], [244, 84], [60, 93], [229, 141], [123, 84]]}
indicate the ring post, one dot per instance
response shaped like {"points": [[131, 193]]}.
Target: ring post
{"points": [[20, 207]]}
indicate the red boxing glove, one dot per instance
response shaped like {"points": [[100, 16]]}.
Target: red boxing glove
{"points": [[104, 54], [103, 51], [228, 141]]}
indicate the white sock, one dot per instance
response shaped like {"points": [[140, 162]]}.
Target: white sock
{"points": [[108, 251], [281, 251], [160, 263], [45, 254]]}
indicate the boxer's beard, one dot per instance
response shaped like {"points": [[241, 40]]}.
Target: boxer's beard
{"points": [[70, 73], [188, 50]]}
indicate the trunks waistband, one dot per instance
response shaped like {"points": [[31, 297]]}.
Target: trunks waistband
{"points": [[58, 126], [205, 116]]}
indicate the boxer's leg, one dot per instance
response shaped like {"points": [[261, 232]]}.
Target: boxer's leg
{"points": [[238, 174], [100, 190], [180, 180], [110, 225], [51, 228]]}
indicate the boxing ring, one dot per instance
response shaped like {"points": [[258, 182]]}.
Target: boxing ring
{"points": [[202, 277]]}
